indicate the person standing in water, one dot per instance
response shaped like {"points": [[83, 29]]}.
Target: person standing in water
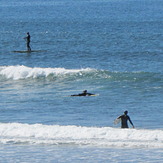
{"points": [[28, 39], [124, 118]]}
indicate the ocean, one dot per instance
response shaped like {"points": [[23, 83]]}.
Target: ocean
{"points": [[111, 48]]}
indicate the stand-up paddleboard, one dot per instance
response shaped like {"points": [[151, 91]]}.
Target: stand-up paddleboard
{"points": [[116, 121], [26, 51]]}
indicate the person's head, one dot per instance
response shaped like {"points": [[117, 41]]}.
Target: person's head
{"points": [[27, 33], [126, 112], [85, 91]]}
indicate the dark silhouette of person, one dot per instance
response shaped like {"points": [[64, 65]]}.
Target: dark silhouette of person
{"points": [[85, 93], [124, 118], [28, 39]]}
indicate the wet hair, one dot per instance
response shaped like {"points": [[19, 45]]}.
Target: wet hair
{"points": [[126, 112]]}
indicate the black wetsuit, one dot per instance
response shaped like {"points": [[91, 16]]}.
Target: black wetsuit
{"points": [[124, 118], [28, 42], [83, 94]]}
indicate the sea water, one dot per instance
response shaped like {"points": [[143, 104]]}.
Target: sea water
{"points": [[112, 48]]}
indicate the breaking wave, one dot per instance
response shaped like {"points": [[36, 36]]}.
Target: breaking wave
{"points": [[24, 72], [17, 133]]}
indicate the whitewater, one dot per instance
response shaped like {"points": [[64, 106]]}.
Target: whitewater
{"points": [[23, 72], [16, 133]]}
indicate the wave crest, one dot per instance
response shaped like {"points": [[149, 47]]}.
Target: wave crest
{"points": [[23, 72]]}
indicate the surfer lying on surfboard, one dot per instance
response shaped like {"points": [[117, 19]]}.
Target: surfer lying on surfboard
{"points": [[85, 93]]}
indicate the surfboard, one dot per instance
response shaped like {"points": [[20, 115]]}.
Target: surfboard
{"points": [[116, 121], [82, 96], [26, 51], [94, 95]]}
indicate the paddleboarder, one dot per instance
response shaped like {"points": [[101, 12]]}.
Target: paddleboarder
{"points": [[28, 39]]}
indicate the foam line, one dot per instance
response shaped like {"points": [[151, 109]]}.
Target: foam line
{"points": [[77, 135]]}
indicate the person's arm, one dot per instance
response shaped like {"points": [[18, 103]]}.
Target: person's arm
{"points": [[131, 122], [119, 117], [77, 95]]}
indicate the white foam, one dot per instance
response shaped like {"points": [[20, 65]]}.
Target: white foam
{"points": [[23, 72], [77, 135]]}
